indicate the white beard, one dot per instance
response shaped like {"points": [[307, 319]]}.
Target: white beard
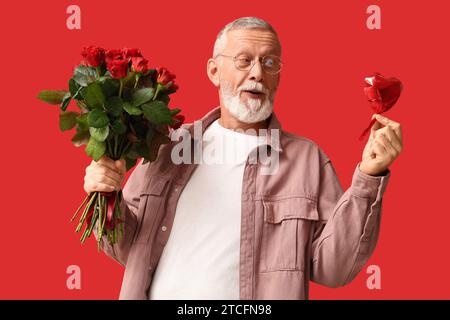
{"points": [[250, 111]]}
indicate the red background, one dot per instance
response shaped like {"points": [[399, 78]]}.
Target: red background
{"points": [[327, 51]]}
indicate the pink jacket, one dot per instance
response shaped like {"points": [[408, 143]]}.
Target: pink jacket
{"points": [[297, 225]]}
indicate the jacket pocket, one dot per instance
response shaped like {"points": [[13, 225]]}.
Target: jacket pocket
{"points": [[150, 199], [286, 233]]}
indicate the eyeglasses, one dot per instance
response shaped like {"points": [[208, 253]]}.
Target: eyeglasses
{"points": [[270, 64]]}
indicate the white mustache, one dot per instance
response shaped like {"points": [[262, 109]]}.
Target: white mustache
{"points": [[253, 86]]}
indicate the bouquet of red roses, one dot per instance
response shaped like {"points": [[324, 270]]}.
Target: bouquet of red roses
{"points": [[123, 114]]}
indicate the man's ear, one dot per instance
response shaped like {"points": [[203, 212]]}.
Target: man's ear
{"points": [[213, 72]]}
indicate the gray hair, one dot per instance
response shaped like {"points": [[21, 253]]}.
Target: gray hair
{"points": [[241, 23]]}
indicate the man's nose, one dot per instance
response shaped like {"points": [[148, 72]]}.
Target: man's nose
{"points": [[256, 72]]}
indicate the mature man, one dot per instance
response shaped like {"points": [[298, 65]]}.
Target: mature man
{"points": [[226, 230]]}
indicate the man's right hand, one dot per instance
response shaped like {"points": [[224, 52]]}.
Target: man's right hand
{"points": [[105, 175]]}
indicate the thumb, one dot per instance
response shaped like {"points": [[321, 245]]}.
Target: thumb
{"points": [[377, 125]]}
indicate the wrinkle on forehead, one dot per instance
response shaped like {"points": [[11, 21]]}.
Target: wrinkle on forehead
{"points": [[261, 38]]}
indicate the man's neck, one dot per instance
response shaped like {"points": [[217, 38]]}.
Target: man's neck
{"points": [[228, 121]]}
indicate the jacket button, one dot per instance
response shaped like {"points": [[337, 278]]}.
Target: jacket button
{"points": [[163, 228]]}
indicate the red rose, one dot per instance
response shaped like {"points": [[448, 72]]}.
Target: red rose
{"points": [[382, 92], [164, 76], [118, 68], [129, 53], [113, 54], [179, 120], [93, 56], [139, 64]]}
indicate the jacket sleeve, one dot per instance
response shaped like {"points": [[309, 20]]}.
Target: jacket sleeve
{"points": [[128, 207], [346, 236]]}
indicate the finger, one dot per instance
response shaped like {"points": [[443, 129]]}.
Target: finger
{"points": [[99, 178], [391, 123], [108, 167], [106, 161], [101, 187], [381, 132], [393, 139], [388, 146], [376, 126], [382, 119], [378, 148], [106, 171]]}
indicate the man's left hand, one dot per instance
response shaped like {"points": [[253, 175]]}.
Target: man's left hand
{"points": [[383, 147]]}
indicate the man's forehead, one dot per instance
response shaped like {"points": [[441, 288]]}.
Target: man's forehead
{"points": [[259, 38]]}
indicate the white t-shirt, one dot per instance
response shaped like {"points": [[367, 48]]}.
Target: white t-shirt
{"points": [[201, 257]]}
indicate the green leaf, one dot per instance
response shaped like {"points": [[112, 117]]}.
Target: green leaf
{"points": [[129, 80], [164, 97], [118, 127], [73, 86], [82, 105], [149, 136], [97, 119], [157, 112], [110, 87], [82, 122], [95, 149], [145, 81], [130, 109], [141, 96], [80, 138], [66, 101], [162, 128], [93, 95], [175, 111], [75, 89], [67, 120], [52, 96], [84, 75], [157, 140], [99, 134], [139, 125], [114, 106]]}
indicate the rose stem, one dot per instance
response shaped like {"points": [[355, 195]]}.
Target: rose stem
{"points": [[121, 87], [104, 220], [88, 230], [79, 208], [94, 219], [109, 151], [115, 146], [86, 210], [99, 224]]}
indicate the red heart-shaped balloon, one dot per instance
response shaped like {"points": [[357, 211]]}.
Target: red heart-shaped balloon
{"points": [[382, 94]]}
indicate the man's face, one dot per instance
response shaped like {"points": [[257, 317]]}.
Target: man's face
{"points": [[248, 95]]}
